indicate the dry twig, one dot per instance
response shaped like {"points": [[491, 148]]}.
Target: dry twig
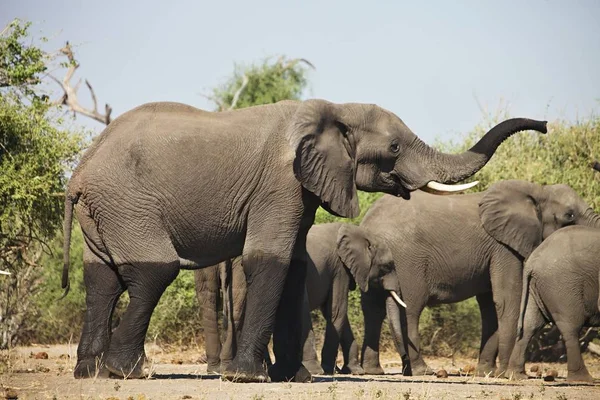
{"points": [[69, 98]]}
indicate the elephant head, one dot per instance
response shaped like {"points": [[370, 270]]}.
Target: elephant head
{"points": [[368, 259], [342, 148], [522, 214]]}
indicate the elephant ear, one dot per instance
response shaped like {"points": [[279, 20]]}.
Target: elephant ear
{"points": [[510, 213], [325, 162], [353, 250]]}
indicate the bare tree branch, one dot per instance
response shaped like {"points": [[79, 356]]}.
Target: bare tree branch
{"points": [[69, 98], [237, 94], [295, 61]]}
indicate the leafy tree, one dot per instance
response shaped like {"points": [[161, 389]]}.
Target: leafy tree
{"points": [[34, 152], [264, 83]]}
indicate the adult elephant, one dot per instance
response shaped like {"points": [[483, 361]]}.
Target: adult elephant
{"points": [[449, 248], [168, 186]]}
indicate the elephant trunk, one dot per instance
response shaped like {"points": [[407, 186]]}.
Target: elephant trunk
{"points": [[451, 168], [393, 314], [591, 218]]}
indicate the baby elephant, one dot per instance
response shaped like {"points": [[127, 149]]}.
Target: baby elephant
{"points": [[560, 285], [339, 257]]}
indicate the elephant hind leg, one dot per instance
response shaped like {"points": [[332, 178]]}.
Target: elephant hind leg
{"points": [[533, 322], [488, 350], [103, 289], [570, 327], [152, 264]]}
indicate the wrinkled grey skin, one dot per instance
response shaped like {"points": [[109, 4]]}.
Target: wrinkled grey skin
{"points": [[560, 285], [166, 182], [226, 277], [341, 256], [447, 249]]}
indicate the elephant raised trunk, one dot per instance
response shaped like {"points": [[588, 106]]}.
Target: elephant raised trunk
{"points": [[451, 168]]}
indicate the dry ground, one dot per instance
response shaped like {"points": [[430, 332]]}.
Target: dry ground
{"points": [[178, 375]]}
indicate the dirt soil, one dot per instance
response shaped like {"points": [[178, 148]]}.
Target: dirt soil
{"points": [[179, 375]]}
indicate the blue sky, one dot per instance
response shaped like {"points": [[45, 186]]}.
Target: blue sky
{"points": [[433, 63]]}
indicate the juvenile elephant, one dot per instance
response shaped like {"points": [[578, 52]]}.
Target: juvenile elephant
{"points": [[447, 249], [340, 256], [560, 285], [168, 186]]}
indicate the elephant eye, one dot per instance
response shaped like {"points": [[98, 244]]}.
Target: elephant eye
{"points": [[394, 147], [570, 215]]}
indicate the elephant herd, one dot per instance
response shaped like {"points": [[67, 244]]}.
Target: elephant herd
{"points": [[439, 250], [233, 195]]}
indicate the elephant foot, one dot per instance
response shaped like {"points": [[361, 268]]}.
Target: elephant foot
{"points": [[486, 370], [285, 373], [515, 375], [328, 369], [214, 369], [245, 371], [135, 367], [580, 376], [313, 367], [352, 369], [90, 368], [373, 369], [420, 369]]}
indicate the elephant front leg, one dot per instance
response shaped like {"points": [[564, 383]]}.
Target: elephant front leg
{"points": [[103, 290], [350, 350], [373, 308], [507, 285], [287, 336], [488, 351], [309, 352], [265, 277]]}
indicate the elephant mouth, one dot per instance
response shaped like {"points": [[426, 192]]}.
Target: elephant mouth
{"points": [[400, 188]]}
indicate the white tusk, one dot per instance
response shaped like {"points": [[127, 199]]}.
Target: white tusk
{"points": [[397, 298], [4, 272], [440, 187]]}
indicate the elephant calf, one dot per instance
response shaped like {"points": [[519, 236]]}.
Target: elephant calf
{"points": [[341, 256], [560, 285], [449, 248]]}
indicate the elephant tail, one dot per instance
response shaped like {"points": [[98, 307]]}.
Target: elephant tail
{"points": [[67, 227], [524, 298]]}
